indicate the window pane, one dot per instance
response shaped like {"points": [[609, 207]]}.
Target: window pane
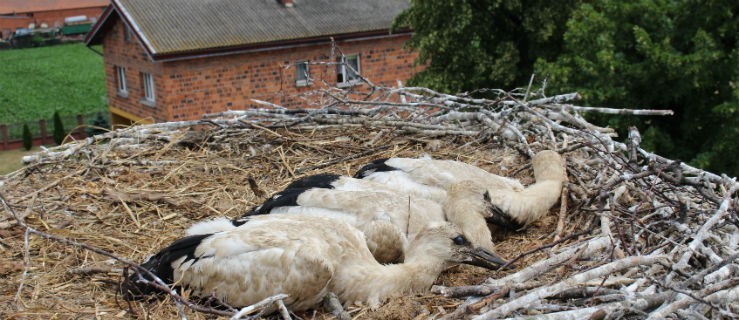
{"points": [[126, 33], [121, 78], [348, 69], [302, 71], [340, 70], [352, 70], [149, 86]]}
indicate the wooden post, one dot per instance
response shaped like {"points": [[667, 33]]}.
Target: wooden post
{"points": [[4, 132], [80, 129], [42, 125]]}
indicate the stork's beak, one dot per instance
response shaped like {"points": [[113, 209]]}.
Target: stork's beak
{"points": [[483, 258]]}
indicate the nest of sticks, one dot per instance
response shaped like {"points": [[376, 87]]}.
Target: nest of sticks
{"points": [[635, 235]]}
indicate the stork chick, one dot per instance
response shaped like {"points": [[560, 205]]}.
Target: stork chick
{"points": [[513, 205], [305, 257], [388, 220]]}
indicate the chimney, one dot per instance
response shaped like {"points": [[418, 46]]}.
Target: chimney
{"points": [[287, 3]]}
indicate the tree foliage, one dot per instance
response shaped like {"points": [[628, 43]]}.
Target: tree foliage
{"points": [[467, 45], [679, 55], [663, 54]]}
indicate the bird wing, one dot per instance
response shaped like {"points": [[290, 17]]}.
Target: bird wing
{"points": [[442, 173], [381, 216], [402, 182], [340, 215], [263, 258], [210, 226]]}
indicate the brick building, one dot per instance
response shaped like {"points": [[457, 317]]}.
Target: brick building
{"points": [[16, 14], [172, 60]]}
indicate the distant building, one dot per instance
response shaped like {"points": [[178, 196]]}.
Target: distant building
{"points": [[17, 14], [169, 60]]}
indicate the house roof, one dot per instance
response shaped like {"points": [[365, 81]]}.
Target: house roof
{"points": [[170, 27], [23, 6]]}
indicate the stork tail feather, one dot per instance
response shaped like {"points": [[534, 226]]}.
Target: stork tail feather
{"points": [[161, 266]]}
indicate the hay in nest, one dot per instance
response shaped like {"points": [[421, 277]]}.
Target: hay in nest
{"points": [[636, 235]]}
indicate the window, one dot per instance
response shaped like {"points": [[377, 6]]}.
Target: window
{"points": [[348, 71], [302, 73], [126, 33], [148, 87], [121, 79]]}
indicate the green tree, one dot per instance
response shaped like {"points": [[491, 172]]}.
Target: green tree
{"points": [[27, 137], [468, 45], [662, 54], [59, 133]]}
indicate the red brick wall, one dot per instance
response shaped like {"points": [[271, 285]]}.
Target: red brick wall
{"points": [[9, 24], [188, 89], [131, 55], [217, 84]]}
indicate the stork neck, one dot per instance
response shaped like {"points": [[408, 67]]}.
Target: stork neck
{"points": [[374, 283]]}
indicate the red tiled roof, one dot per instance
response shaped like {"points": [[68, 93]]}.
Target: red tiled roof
{"points": [[22, 6]]}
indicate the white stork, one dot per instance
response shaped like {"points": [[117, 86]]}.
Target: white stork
{"points": [[513, 205], [387, 219], [305, 257]]}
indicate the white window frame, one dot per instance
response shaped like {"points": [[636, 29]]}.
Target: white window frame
{"points": [[302, 80], [342, 70], [148, 82], [122, 86]]}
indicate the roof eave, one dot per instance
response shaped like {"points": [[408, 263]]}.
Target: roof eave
{"points": [[275, 45], [100, 28], [94, 36]]}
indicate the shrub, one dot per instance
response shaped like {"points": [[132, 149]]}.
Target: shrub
{"points": [[99, 125], [27, 137], [59, 133]]}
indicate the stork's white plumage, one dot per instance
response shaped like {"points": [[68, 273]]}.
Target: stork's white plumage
{"points": [[306, 257], [387, 212], [514, 205], [387, 219], [404, 185]]}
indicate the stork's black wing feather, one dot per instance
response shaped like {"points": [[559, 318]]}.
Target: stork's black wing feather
{"points": [[161, 265], [378, 165], [284, 198], [322, 180]]}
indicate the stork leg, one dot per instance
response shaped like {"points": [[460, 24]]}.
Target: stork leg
{"points": [[332, 304]]}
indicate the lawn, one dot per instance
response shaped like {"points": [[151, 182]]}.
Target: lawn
{"points": [[11, 160], [37, 81]]}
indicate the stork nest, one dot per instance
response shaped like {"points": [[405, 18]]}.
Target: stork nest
{"points": [[635, 235]]}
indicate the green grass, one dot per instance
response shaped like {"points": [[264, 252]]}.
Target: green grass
{"points": [[37, 81], [11, 160]]}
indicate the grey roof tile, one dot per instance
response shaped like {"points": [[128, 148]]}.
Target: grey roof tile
{"points": [[171, 26]]}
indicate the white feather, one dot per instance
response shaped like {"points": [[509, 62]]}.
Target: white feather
{"points": [[210, 226]]}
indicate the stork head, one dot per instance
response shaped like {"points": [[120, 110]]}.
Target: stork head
{"points": [[549, 165], [467, 208], [443, 242]]}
